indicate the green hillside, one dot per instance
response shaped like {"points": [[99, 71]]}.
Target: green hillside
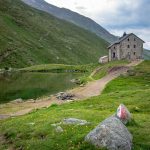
{"points": [[146, 54], [29, 36]]}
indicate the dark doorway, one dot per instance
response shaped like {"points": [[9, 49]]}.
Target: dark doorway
{"points": [[114, 54], [129, 55]]}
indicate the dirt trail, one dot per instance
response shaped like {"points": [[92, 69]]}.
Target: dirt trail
{"points": [[96, 87], [91, 89]]}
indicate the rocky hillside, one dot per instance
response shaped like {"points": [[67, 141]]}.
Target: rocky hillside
{"points": [[30, 36], [146, 54], [72, 17]]}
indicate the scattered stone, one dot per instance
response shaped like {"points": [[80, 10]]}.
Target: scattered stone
{"points": [[56, 124], [59, 129], [123, 114], [75, 121], [77, 81], [65, 96], [82, 85], [19, 100], [31, 123], [30, 100], [111, 134]]}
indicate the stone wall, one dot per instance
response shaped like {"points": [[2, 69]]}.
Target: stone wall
{"points": [[131, 48]]}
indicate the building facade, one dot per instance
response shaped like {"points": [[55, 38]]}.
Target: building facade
{"points": [[129, 47]]}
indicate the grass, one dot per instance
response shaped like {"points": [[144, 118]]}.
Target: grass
{"points": [[60, 68], [22, 134], [104, 69], [24, 42]]}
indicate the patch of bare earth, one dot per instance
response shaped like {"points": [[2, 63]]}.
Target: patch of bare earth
{"points": [[90, 89]]}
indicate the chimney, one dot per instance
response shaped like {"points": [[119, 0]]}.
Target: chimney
{"points": [[124, 34]]}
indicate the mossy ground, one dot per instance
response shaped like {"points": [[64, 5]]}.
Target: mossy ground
{"points": [[131, 90]]}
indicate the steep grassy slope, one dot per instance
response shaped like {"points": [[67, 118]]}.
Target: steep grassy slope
{"points": [[73, 17], [146, 54], [29, 36], [34, 131]]}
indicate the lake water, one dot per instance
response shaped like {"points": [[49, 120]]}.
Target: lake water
{"points": [[34, 85]]}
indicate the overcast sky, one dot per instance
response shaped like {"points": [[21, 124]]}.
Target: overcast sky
{"points": [[116, 16]]}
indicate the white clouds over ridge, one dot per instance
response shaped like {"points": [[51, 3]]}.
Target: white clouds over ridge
{"points": [[116, 16]]}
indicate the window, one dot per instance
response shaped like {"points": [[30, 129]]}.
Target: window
{"points": [[114, 54], [134, 46], [134, 53], [128, 39], [128, 46], [114, 47], [134, 39]]}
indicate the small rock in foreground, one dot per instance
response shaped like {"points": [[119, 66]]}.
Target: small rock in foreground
{"points": [[123, 114], [59, 129], [75, 121]]}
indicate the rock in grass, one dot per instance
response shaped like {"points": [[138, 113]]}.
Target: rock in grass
{"points": [[64, 96], [75, 121], [59, 129], [19, 100], [111, 134], [123, 114]]}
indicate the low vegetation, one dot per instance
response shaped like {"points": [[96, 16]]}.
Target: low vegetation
{"points": [[59, 68], [34, 131], [104, 69]]}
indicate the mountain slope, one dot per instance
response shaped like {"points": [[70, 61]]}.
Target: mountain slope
{"points": [[73, 17], [29, 36], [146, 54]]}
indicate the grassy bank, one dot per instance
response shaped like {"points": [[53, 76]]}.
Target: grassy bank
{"points": [[60, 68], [34, 131], [103, 70]]}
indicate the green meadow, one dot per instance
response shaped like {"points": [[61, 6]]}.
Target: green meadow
{"points": [[34, 130]]}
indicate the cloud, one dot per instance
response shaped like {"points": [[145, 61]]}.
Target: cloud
{"points": [[116, 16], [80, 8]]}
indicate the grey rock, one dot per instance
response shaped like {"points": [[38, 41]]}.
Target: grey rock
{"points": [[111, 134], [65, 96], [19, 100], [77, 81], [59, 129], [75, 121]]}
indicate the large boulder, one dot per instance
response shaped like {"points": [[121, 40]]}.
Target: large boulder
{"points": [[111, 134], [123, 114]]}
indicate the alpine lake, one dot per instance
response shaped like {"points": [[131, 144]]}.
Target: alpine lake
{"points": [[32, 85]]}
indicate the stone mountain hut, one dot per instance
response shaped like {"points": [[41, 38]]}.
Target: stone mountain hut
{"points": [[129, 47]]}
